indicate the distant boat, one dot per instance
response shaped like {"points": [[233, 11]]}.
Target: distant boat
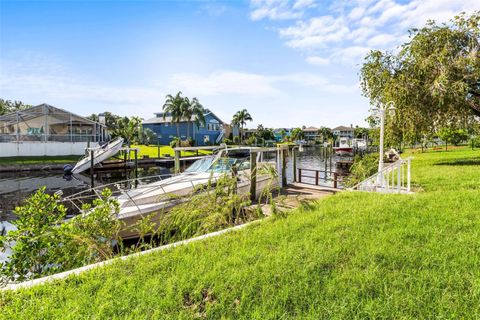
{"points": [[344, 147], [99, 154]]}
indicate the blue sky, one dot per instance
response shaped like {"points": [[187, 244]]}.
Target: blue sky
{"points": [[290, 63]]}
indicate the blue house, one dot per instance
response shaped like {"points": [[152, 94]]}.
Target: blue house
{"points": [[211, 133]]}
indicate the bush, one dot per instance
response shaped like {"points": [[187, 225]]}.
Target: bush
{"points": [[43, 243], [362, 168]]}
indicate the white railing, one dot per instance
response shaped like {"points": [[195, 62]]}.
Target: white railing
{"points": [[394, 178]]}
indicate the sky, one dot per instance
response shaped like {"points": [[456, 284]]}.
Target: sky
{"points": [[289, 63]]}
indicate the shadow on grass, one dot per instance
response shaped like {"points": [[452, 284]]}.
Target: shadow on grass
{"points": [[459, 162]]}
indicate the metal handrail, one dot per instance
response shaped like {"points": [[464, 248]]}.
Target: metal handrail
{"points": [[374, 182]]}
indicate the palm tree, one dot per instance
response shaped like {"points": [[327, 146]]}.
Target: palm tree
{"points": [[174, 106], [193, 109], [240, 119]]}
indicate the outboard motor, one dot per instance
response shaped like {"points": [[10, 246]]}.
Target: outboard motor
{"points": [[67, 169]]}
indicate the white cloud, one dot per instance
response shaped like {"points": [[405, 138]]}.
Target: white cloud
{"points": [[279, 9], [36, 80], [318, 61], [229, 82], [349, 28], [224, 82]]}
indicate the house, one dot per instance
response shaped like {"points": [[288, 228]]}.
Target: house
{"points": [[343, 132], [279, 131], [45, 130], [311, 133], [212, 132]]}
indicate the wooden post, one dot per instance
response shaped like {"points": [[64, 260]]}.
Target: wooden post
{"points": [[335, 179], [92, 179], [125, 159], [316, 177], [284, 168], [135, 152], [294, 155], [331, 156], [299, 175], [177, 161], [253, 176], [326, 160]]}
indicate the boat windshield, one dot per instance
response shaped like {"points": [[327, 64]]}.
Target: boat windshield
{"points": [[221, 165], [202, 165]]}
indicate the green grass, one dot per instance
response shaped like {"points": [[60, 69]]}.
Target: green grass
{"points": [[152, 151], [353, 255], [39, 160]]}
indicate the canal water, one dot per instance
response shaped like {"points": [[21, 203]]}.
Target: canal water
{"points": [[16, 187]]}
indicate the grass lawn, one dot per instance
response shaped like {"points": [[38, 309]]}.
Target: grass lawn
{"points": [[39, 160], [152, 151], [352, 255]]}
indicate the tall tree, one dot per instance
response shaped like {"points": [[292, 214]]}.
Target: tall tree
{"points": [[240, 119], [174, 106], [129, 128], [192, 109], [326, 133], [434, 80], [297, 134], [110, 119], [8, 106]]}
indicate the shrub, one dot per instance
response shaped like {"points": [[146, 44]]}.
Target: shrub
{"points": [[44, 244], [362, 168]]}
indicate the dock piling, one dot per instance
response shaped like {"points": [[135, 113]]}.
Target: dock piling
{"points": [[253, 176], [92, 178], [284, 168]]}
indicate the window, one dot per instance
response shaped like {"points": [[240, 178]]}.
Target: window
{"points": [[213, 126]]}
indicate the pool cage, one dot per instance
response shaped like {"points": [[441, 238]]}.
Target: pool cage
{"points": [[45, 123]]}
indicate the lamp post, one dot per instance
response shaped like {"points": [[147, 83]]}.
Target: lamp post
{"points": [[381, 110]]}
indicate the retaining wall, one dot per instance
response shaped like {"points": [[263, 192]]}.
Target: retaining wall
{"points": [[38, 148]]}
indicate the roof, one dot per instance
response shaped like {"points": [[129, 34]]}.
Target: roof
{"points": [[311, 129], [343, 128], [168, 119], [38, 111]]}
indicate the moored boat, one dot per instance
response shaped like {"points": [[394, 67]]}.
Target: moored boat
{"points": [[156, 198], [99, 154]]}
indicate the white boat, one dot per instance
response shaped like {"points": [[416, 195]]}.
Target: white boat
{"points": [[158, 197], [344, 148], [99, 154]]}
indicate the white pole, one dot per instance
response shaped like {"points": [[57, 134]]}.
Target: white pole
{"points": [[399, 175], [380, 160], [382, 129], [408, 173]]}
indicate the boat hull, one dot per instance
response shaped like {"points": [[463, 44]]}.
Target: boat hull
{"points": [[343, 151], [100, 154], [156, 211]]}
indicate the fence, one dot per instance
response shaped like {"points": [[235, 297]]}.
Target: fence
{"points": [[394, 178], [318, 176]]}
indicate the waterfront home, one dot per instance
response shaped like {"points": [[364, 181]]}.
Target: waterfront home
{"points": [[311, 133], [212, 132], [45, 130], [343, 132], [279, 131]]}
